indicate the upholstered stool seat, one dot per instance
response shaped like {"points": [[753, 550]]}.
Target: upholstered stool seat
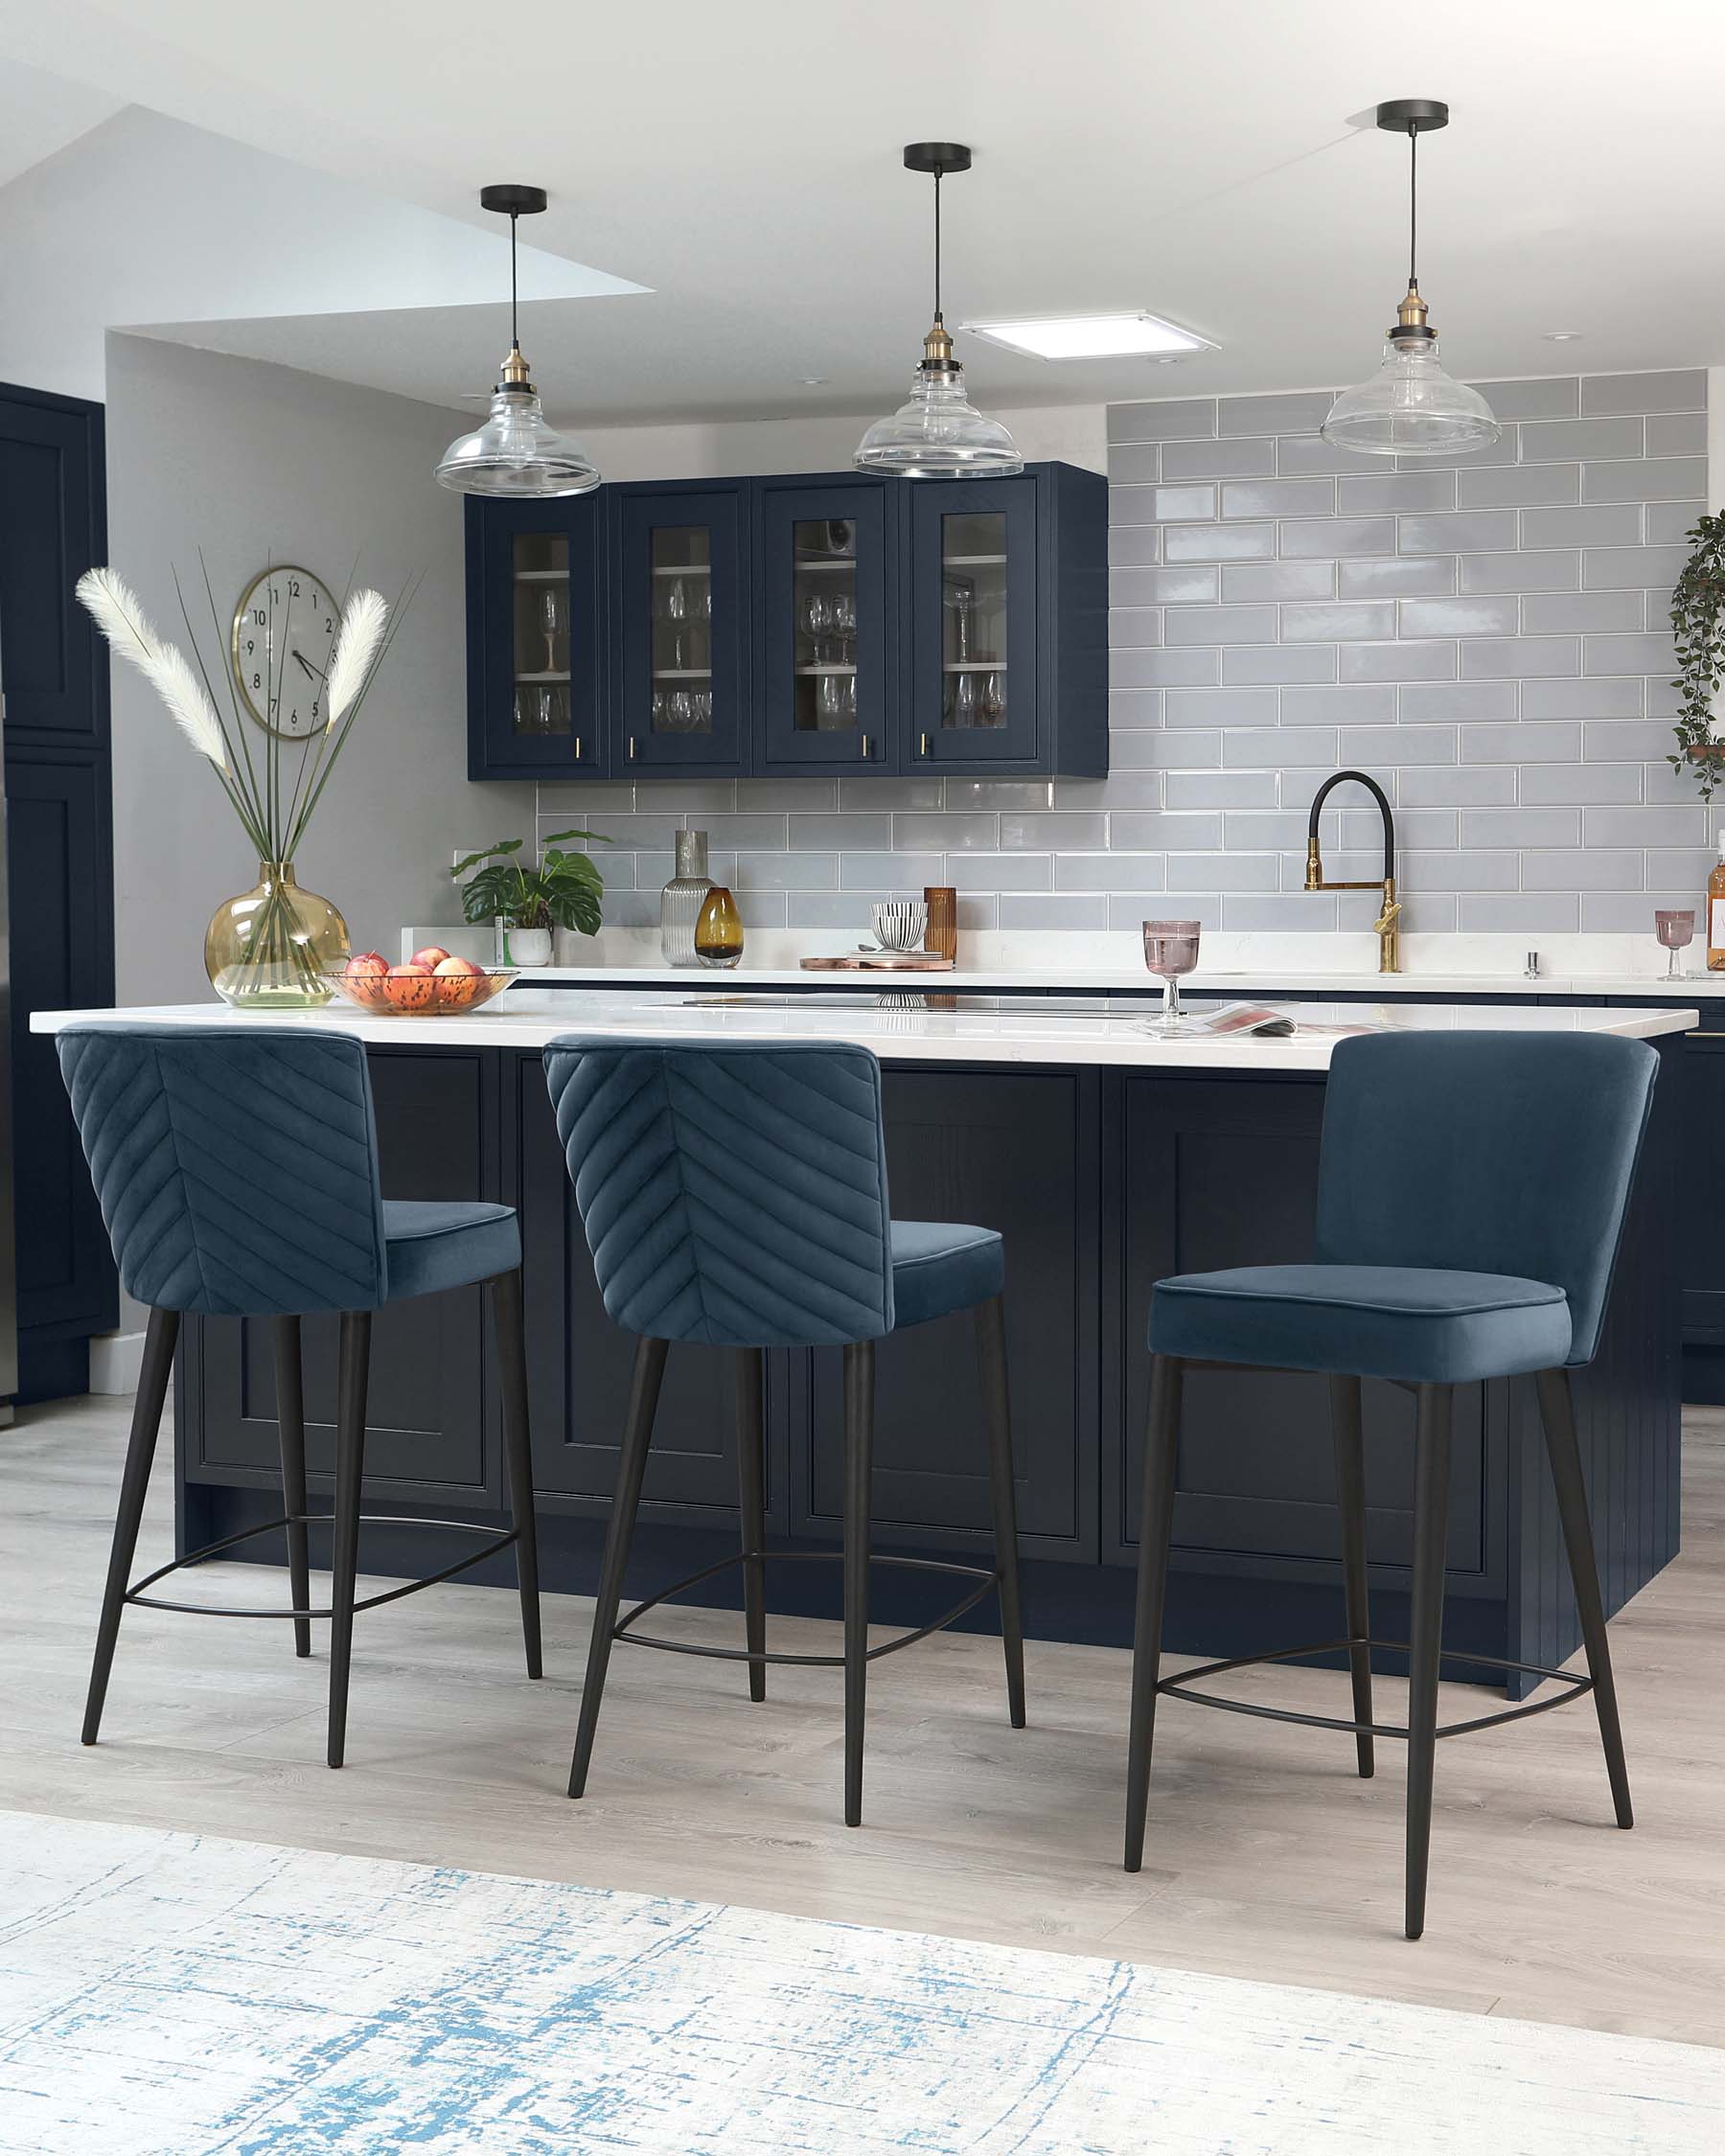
{"points": [[734, 1195], [1472, 1191], [447, 1243], [939, 1267], [237, 1171], [1375, 1321]]}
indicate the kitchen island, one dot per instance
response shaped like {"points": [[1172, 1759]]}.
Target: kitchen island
{"points": [[1107, 1158]]}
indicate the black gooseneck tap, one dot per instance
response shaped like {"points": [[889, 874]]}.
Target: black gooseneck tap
{"points": [[1386, 924]]}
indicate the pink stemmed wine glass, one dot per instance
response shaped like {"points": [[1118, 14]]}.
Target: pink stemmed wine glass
{"points": [[1676, 933], [1170, 950]]}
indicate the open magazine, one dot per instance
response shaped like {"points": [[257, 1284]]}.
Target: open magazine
{"points": [[1260, 1020]]}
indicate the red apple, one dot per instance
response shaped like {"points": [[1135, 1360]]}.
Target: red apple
{"points": [[431, 957], [365, 976], [409, 987], [458, 982]]}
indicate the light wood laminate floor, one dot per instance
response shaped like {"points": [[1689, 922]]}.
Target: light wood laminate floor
{"points": [[1267, 1857]]}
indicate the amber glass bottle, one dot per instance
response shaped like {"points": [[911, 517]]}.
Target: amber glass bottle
{"points": [[1716, 916]]}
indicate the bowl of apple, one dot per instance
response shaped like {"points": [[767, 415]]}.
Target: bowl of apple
{"points": [[430, 984]]}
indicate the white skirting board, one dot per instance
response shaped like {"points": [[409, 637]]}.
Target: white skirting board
{"points": [[115, 1361]]}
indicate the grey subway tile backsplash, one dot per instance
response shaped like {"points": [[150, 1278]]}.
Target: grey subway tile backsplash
{"points": [[1337, 535], [1219, 543], [1218, 460], [1569, 441], [1408, 576], [1487, 635], [1255, 582], [1302, 412], [1681, 391]]}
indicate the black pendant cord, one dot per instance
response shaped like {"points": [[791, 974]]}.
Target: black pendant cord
{"points": [[1413, 207], [515, 331], [937, 315]]}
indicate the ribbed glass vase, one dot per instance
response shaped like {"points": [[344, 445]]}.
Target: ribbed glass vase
{"points": [[682, 898], [272, 948]]}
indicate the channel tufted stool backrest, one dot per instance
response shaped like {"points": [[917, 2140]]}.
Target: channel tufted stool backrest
{"points": [[236, 1167], [733, 1193], [1478, 1152]]}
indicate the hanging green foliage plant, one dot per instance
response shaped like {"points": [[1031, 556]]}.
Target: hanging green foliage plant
{"points": [[1698, 625]]}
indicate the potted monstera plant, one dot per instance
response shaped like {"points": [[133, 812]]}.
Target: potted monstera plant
{"points": [[563, 892], [1698, 625]]}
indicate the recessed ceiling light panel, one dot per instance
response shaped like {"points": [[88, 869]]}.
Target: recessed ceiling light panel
{"points": [[1090, 336]]}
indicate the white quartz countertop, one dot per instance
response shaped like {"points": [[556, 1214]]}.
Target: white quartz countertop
{"points": [[1116, 980], [529, 1016]]}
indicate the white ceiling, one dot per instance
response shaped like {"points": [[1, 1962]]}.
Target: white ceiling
{"points": [[742, 162], [40, 114]]}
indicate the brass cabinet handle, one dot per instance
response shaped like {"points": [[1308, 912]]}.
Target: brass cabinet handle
{"points": [[923, 750], [632, 747], [578, 749], [865, 746]]}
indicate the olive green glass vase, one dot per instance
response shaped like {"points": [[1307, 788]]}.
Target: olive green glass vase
{"points": [[273, 947]]}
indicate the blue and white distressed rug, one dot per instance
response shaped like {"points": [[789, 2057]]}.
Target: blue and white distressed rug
{"points": [[170, 1994]]}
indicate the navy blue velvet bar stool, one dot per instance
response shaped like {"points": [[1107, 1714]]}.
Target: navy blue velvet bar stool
{"points": [[1472, 1191], [735, 1193], [237, 1170]]}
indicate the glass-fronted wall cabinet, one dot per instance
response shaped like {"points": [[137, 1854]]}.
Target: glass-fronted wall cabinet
{"points": [[833, 622], [678, 601], [826, 621], [974, 626], [535, 668]]}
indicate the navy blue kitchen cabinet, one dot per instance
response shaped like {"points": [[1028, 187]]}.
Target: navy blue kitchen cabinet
{"points": [[1005, 669], [536, 639], [826, 639], [679, 610], [828, 623]]}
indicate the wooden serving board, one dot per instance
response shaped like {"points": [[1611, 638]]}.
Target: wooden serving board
{"points": [[880, 962]]}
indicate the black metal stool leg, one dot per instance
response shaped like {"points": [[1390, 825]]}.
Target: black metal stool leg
{"points": [[752, 1447], [517, 1454], [859, 1491], [1350, 1498], [1425, 1633], [631, 1469], [991, 1365], [159, 1339], [1558, 1411], [1161, 1452], [353, 1378], [291, 1421]]}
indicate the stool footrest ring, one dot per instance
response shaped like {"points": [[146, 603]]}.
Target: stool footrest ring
{"points": [[1178, 1688], [986, 1579], [489, 1549]]}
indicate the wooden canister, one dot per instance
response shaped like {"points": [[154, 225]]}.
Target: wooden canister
{"points": [[941, 936]]}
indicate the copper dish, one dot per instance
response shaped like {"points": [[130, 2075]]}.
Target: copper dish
{"points": [[422, 994]]}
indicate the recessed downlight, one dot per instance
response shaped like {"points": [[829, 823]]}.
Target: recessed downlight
{"points": [[1563, 336], [1090, 336]]}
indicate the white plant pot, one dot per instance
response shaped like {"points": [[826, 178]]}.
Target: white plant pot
{"points": [[530, 946]]}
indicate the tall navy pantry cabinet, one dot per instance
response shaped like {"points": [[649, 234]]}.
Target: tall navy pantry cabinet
{"points": [[827, 623], [53, 693]]}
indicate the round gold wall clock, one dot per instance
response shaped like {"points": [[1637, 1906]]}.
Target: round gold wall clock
{"points": [[283, 633]]}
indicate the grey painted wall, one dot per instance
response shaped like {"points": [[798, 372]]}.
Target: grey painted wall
{"points": [[247, 460], [1487, 637]]}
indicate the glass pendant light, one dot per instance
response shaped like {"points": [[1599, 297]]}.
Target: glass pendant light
{"points": [[939, 434], [1410, 407], [517, 453]]}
